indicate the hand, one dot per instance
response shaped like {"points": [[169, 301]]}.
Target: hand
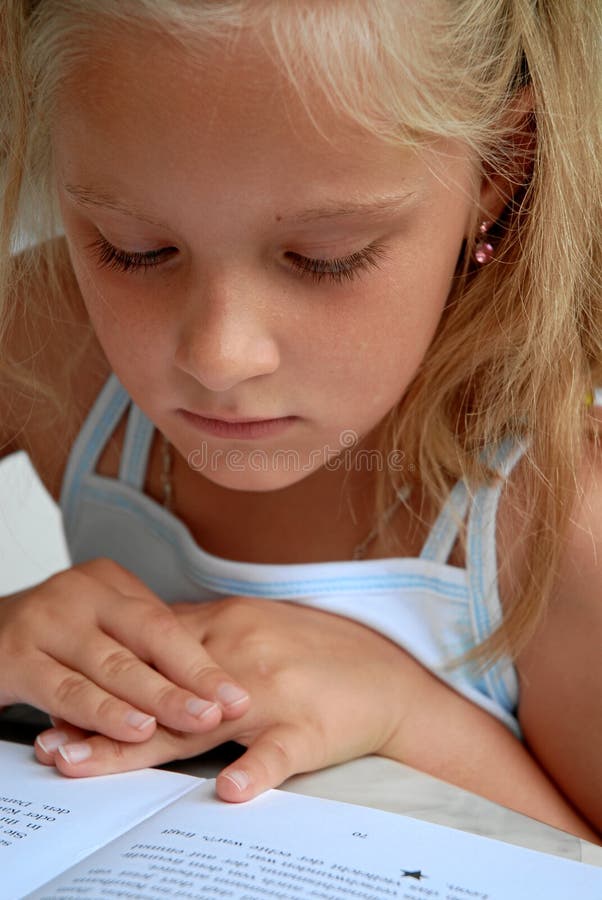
{"points": [[94, 646], [325, 689]]}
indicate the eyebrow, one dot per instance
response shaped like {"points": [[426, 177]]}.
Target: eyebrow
{"points": [[335, 210], [89, 197], [371, 208]]}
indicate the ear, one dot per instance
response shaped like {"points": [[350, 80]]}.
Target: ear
{"points": [[499, 187]]}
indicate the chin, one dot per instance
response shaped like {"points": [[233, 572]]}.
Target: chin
{"points": [[250, 479]]}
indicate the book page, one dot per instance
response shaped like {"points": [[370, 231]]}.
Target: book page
{"points": [[48, 822], [286, 846]]}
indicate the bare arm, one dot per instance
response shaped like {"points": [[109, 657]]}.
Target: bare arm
{"points": [[561, 669], [452, 739]]}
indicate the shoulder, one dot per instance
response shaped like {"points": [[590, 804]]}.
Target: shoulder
{"points": [[581, 549], [61, 366], [581, 571]]}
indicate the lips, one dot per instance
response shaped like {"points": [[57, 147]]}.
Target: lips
{"points": [[215, 418], [238, 428]]}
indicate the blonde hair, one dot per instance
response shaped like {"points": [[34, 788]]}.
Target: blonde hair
{"points": [[518, 347]]}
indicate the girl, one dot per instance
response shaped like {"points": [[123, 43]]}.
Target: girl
{"points": [[312, 294]]}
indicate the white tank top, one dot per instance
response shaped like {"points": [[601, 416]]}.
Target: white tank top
{"points": [[433, 610]]}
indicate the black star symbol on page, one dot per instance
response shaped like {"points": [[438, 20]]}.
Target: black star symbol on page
{"points": [[417, 875]]}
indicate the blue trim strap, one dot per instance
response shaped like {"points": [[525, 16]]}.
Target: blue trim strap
{"points": [[482, 570], [444, 533], [136, 447], [102, 420]]}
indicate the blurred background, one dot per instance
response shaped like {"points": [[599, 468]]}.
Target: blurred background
{"points": [[32, 545]]}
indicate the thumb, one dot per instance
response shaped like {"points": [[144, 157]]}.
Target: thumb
{"points": [[277, 753]]}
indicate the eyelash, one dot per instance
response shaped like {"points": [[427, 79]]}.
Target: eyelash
{"points": [[335, 270]]}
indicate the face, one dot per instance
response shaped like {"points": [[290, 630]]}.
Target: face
{"points": [[226, 264]]}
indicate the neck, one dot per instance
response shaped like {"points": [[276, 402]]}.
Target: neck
{"points": [[326, 516]]}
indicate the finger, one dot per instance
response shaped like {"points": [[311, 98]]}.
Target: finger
{"points": [[154, 634], [118, 671], [70, 695], [83, 754], [150, 629], [275, 755], [47, 742]]}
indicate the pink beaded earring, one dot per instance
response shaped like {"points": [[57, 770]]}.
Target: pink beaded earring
{"points": [[483, 251]]}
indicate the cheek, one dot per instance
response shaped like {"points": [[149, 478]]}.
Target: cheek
{"points": [[122, 309], [373, 352], [127, 323], [413, 303]]}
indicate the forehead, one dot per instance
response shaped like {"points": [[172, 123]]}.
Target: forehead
{"points": [[143, 80], [219, 114]]}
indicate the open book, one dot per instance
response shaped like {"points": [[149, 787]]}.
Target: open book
{"points": [[154, 834]]}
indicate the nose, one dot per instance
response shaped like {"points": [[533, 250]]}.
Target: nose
{"points": [[225, 337]]}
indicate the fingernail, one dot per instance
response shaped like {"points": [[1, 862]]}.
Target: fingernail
{"points": [[238, 777], [229, 694], [75, 753], [139, 720], [199, 708], [51, 740]]}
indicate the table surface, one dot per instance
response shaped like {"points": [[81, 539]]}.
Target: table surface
{"points": [[373, 781]]}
